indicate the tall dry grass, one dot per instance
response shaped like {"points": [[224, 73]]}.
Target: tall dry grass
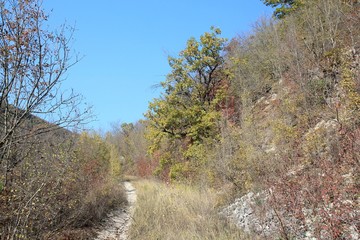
{"points": [[178, 212]]}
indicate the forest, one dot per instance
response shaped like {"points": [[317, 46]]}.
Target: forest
{"points": [[274, 113]]}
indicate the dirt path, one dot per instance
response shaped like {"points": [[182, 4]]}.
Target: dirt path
{"points": [[117, 226]]}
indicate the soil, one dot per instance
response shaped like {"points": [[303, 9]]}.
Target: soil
{"points": [[118, 223]]}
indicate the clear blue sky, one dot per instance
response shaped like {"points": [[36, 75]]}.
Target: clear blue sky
{"points": [[125, 45]]}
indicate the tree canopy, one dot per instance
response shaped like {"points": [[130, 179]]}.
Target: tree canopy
{"points": [[185, 109], [186, 114], [283, 7]]}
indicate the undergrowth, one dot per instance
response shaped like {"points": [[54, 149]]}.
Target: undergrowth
{"points": [[178, 212]]}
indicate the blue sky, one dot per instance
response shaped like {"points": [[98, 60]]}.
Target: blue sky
{"points": [[125, 45]]}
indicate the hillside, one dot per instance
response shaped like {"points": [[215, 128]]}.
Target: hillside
{"points": [[254, 137], [274, 113], [59, 183]]}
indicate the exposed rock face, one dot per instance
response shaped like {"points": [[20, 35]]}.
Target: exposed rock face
{"points": [[244, 212], [252, 214]]}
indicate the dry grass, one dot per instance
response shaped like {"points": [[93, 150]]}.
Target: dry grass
{"points": [[129, 178], [178, 212]]}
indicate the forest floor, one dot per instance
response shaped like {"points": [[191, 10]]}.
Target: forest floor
{"points": [[118, 223]]}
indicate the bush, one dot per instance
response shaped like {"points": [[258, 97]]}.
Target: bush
{"points": [[61, 186]]}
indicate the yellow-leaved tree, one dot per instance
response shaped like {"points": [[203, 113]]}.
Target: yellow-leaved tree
{"points": [[186, 115]]}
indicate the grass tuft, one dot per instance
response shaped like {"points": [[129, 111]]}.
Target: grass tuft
{"points": [[178, 212]]}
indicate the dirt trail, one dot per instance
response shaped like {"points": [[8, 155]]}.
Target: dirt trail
{"points": [[119, 221]]}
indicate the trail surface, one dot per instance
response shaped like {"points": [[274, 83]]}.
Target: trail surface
{"points": [[119, 221]]}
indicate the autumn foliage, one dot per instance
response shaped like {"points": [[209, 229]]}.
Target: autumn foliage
{"points": [[65, 185], [284, 117], [52, 180]]}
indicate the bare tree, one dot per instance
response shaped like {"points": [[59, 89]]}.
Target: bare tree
{"points": [[33, 60]]}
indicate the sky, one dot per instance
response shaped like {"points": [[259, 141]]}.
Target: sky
{"points": [[125, 45]]}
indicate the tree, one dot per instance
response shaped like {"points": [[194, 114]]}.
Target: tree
{"points": [[186, 113], [33, 61], [190, 89], [130, 145], [283, 7]]}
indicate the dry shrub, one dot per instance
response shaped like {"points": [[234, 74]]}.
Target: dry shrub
{"points": [[145, 167], [72, 234], [60, 186], [322, 196], [97, 202]]}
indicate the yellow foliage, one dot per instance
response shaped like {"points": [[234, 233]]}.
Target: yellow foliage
{"points": [[115, 164], [350, 90], [179, 171]]}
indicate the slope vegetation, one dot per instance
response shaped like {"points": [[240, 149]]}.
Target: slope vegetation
{"points": [[275, 111]]}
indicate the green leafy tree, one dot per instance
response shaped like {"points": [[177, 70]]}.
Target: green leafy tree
{"points": [[283, 7], [186, 107], [187, 111]]}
